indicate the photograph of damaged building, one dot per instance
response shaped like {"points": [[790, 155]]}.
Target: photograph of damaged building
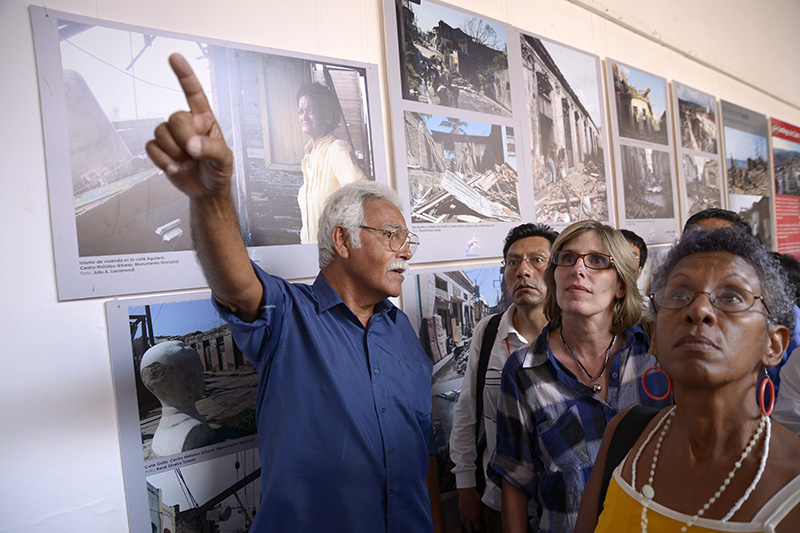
{"points": [[460, 171], [648, 185], [697, 113], [703, 184], [786, 157], [641, 104], [746, 162], [453, 59], [562, 88]]}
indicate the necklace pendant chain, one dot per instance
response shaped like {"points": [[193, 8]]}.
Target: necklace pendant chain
{"points": [[596, 387], [648, 492]]}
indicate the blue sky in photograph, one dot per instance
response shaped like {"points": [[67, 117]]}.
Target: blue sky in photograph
{"points": [[582, 73], [784, 144], [642, 82], [434, 123], [180, 318], [694, 96], [742, 145], [429, 14], [489, 281]]}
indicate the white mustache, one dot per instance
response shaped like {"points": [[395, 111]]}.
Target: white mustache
{"points": [[398, 264]]}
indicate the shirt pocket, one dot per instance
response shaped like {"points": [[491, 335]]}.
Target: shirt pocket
{"points": [[416, 382], [564, 442]]}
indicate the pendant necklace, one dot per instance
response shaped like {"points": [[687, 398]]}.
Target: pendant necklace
{"points": [[596, 387], [648, 493]]}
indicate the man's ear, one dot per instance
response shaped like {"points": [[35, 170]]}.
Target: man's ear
{"points": [[778, 341], [341, 241]]}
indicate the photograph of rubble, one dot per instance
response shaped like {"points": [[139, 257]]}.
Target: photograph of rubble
{"points": [[648, 183], [786, 157], [755, 210], [697, 118], [746, 161], [703, 183], [640, 103], [699, 160], [104, 90], [563, 91], [451, 58], [185, 398], [460, 171], [445, 307]]}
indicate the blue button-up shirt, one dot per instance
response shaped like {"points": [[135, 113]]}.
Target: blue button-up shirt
{"points": [[550, 424], [344, 413]]}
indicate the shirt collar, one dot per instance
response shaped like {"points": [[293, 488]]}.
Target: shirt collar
{"points": [[328, 298], [538, 355]]}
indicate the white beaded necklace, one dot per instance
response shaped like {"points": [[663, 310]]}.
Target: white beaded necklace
{"points": [[648, 493]]}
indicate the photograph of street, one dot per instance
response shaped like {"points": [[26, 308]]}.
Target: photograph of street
{"points": [[565, 116], [453, 59], [703, 183], [460, 171], [648, 185], [445, 307], [786, 157]]}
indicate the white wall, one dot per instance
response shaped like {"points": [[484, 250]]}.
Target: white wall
{"points": [[59, 449]]}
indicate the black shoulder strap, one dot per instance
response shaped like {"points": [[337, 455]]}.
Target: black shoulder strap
{"points": [[489, 335], [625, 435]]}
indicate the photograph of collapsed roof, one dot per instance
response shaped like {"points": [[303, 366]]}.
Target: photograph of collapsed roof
{"points": [[452, 58], [565, 114], [460, 171], [641, 104], [697, 112]]}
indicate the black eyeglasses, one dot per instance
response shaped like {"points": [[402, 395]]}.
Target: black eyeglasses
{"points": [[727, 299], [398, 238], [539, 262], [593, 260]]}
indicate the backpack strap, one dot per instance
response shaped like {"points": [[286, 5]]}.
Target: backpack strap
{"points": [[625, 435], [489, 336]]}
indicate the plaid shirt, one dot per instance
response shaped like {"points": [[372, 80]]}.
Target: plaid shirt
{"points": [[550, 425]]}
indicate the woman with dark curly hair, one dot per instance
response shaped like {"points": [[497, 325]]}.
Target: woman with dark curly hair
{"points": [[714, 461], [329, 162]]}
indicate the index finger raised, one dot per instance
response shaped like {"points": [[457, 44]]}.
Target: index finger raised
{"points": [[198, 103]]}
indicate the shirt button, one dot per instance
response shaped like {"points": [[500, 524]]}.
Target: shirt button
{"points": [[377, 370], [614, 375], [391, 450], [383, 409]]}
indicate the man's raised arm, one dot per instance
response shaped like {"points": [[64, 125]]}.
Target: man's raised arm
{"points": [[190, 148]]}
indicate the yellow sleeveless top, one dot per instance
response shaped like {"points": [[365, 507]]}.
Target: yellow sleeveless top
{"points": [[622, 511]]}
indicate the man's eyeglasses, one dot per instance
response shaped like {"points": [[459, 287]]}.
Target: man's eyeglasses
{"points": [[539, 262], [595, 261], [398, 238], [727, 299]]}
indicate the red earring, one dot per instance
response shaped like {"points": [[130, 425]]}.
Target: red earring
{"points": [[766, 382], [644, 383]]}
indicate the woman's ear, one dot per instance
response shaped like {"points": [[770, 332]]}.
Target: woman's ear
{"points": [[778, 341]]}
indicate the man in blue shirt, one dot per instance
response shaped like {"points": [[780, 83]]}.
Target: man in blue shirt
{"points": [[344, 408]]}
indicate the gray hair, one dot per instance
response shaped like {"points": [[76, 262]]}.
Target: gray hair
{"points": [[345, 208], [775, 286]]}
